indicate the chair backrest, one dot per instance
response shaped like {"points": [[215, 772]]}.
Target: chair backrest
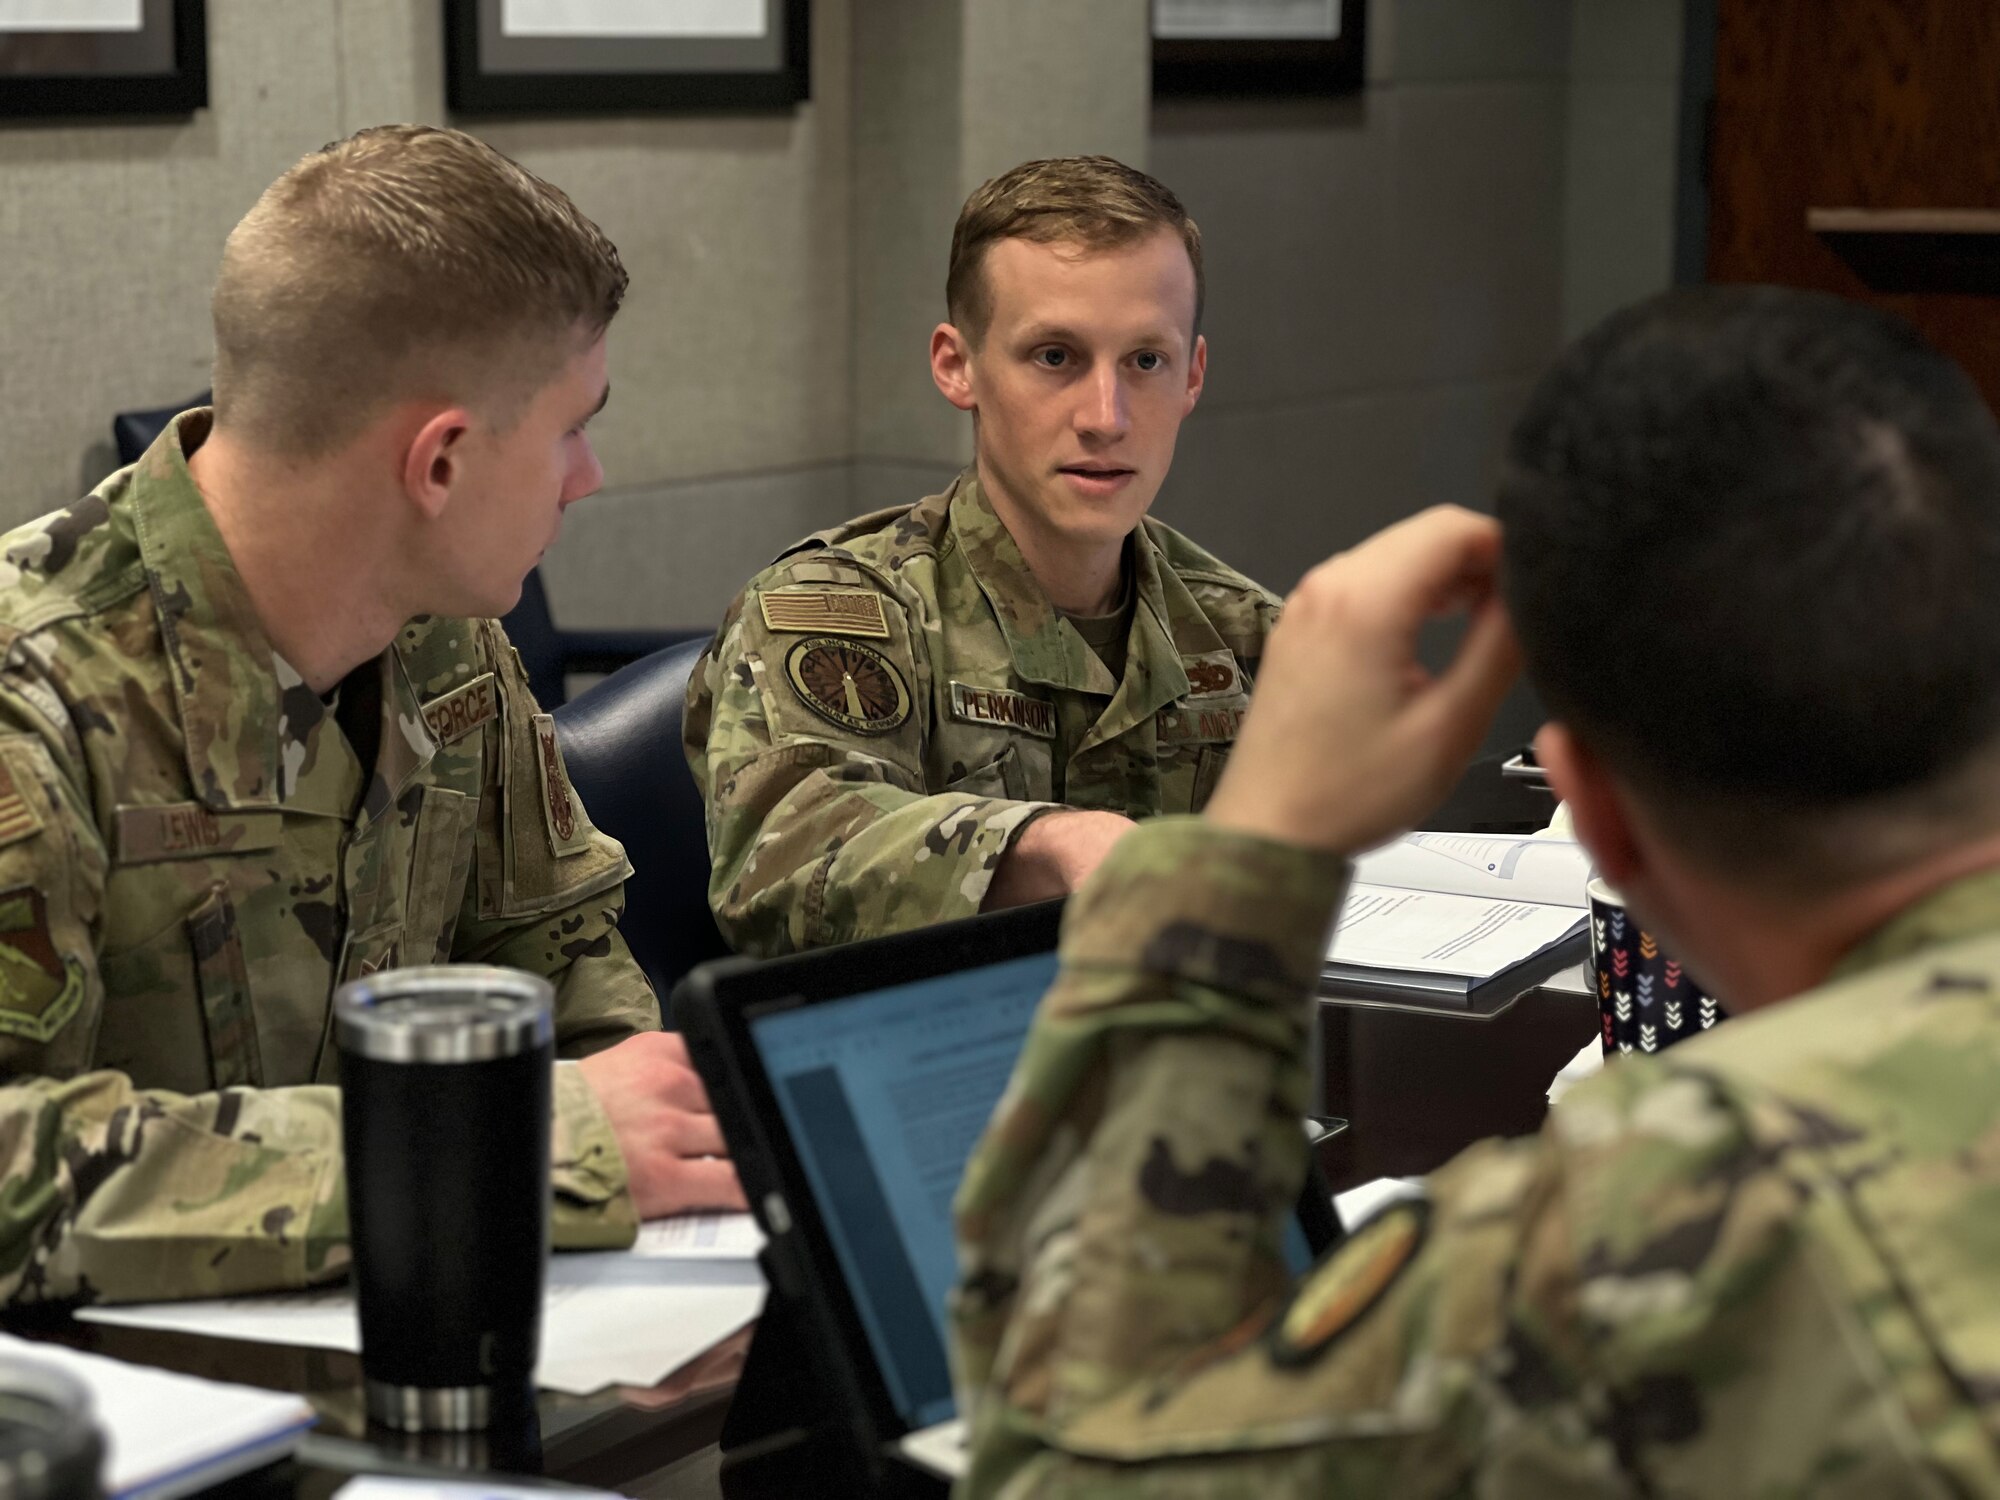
{"points": [[532, 629], [621, 741], [133, 432]]}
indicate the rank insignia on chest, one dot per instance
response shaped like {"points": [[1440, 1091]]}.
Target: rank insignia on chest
{"points": [[564, 819], [1212, 674], [40, 989], [1335, 1294], [1010, 710], [848, 684], [463, 709], [824, 612]]}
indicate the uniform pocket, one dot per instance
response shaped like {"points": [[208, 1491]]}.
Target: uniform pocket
{"points": [[1000, 777], [440, 865], [223, 980], [1208, 771]]}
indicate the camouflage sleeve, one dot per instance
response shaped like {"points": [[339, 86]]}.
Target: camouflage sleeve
{"points": [[1127, 1203], [1615, 1307], [547, 898], [821, 826]]}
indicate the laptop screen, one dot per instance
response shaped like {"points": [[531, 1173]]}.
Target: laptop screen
{"points": [[884, 1094]]}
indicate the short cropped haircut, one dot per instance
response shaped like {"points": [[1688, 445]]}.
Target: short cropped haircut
{"points": [[405, 260], [1752, 550], [1093, 201]]}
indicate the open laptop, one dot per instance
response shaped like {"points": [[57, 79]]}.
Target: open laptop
{"points": [[852, 1085]]}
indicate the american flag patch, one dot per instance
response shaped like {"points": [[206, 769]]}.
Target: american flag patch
{"points": [[17, 818], [855, 612]]}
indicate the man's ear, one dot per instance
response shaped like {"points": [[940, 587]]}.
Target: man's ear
{"points": [[1596, 804], [951, 365], [1197, 373], [434, 462]]}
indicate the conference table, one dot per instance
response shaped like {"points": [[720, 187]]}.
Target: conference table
{"points": [[1417, 1085]]}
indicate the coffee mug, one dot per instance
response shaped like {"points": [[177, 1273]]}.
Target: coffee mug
{"points": [[1645, 1000], [445, 1078]]}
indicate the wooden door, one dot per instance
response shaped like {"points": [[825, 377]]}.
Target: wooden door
{"points": [[1881, 120]]}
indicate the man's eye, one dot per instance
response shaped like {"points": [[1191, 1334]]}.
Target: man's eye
{"points": [[1051, 359], [1149, 361]]}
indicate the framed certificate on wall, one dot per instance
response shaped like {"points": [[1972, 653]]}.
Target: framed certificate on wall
{"points": [[624, 56], [1248, 48], [102, 57]]}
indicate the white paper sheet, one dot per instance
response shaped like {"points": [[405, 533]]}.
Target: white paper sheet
{"points": [[700, 1237], [1247, 18], [1359, 1204], [1429, 932], [71, 15], [1496, 866], [167, 1434], [629, 18], [610, 1318], [382, 1487], [1588, 1063]]}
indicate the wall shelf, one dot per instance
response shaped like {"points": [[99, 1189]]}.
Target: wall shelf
{"points": [[1915, 249]]}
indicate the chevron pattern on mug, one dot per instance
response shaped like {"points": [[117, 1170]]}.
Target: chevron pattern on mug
{"points": [[1646, 1001]]}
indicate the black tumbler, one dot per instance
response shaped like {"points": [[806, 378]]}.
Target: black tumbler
{"points": [[445, 1077], [50, 1448]]}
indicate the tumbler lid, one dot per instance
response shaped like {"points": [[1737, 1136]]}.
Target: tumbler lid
{"points": [[50, 1449], [448, 1013]]}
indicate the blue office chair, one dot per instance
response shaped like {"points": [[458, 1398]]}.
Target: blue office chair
{"points": [[551, 653], [133, 432], [621, 741]]}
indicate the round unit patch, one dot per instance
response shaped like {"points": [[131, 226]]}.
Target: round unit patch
{"points": [[848, 683], [1341, 1288]]}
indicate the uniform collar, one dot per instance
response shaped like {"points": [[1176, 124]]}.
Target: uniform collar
{"points": [[1968, 907], [225, 686], [1047, 649]]}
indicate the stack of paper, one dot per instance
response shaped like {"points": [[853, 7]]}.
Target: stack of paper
{"points": [[1459, 919], [618, 1317], [167, 1434]]}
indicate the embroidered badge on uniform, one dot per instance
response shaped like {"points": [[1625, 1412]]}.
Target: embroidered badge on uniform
{"points": [[40, 989], [1212, 674], [560, 812], [983, 705], [1334, 1295], [17, 819], [823, 611], [463, 709], [848, 684]]}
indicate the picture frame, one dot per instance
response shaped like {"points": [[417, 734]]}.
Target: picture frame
{"points": [[522, 57], [1259, 48], [133, 57]]}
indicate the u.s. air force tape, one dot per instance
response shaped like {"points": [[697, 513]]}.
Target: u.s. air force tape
{"points": [[824, 612]]}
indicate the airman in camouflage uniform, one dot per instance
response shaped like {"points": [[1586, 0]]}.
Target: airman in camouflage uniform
{"points": [[978, 706], [1739, 1268], [1758, 1265], [192, 858]]}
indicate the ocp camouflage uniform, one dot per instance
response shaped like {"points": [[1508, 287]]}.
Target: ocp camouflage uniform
{"points": [[191, 860], [893, 700], [1761, 1264]]}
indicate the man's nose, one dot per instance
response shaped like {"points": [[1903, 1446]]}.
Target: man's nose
{"points": [[586, 477], [1104, 410]]}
